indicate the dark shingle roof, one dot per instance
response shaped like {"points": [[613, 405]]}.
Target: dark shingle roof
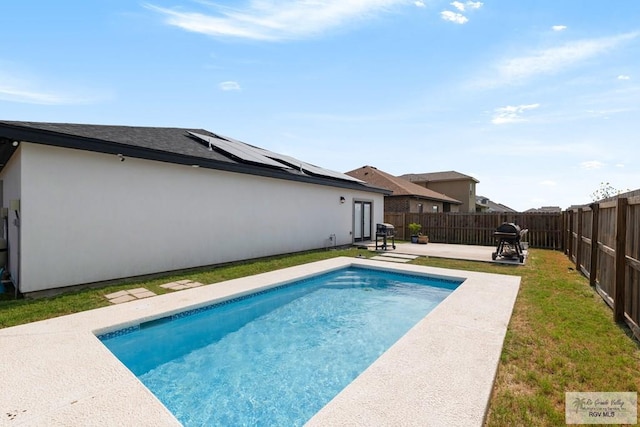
{"points": [[170, 140], [171, 145], [399, 186]]}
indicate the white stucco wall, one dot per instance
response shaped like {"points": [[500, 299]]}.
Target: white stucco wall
{"points": [[89, 217]]}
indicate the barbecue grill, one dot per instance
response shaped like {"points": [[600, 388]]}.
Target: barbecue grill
{"points": [[385, 231], [508, 235]]}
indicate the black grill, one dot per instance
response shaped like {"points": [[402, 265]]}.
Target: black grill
{"points": [[509, 235], [385, 231]]}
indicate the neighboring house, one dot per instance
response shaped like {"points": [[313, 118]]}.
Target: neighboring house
{"points": [[484, 204], [407, 196], [454, 184], [545, 209], [91, 203]]}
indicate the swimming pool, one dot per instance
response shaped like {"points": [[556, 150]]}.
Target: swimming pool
{"points": [[441, 372], [278, 356]]}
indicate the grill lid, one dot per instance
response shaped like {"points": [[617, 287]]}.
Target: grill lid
{"points": [[508, 227]]}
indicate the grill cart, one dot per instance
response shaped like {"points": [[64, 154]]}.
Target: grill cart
{"points": [[385, 231], [508, 235]]}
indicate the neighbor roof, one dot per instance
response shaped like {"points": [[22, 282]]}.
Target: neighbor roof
{"points": [[493, 206], [399, 186], [195, 147], [437, 176]]}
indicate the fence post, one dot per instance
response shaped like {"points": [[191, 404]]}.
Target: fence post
{"points": [[447, 229], [620, 259], [565, 231], [569, 234], [595, 218], [579, 242]]}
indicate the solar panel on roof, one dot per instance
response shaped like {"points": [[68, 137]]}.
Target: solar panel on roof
{"points": [[240, 150], [313, 169]]}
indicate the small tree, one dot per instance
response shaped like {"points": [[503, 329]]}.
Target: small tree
{"points": [[605, 191]]}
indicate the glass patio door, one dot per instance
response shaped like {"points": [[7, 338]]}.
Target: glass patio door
{"points": [[361, 221]]}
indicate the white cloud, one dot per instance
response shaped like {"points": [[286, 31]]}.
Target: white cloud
{"points": [[277, 19], [458, 18], [624, 77], [419, 3], [592, 164], [229, 85], [29, 91], [554, 59], [21, 95], [511, 113], [548, 183], [559, 27]]}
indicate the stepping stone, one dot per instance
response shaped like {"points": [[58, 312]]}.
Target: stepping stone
{"points": [[390, 259], [121, 299], [129, 295], [398, 255], [194, 284], [181, 284], [146, 294], [116, 294]]}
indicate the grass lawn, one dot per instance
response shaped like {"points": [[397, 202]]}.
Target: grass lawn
{"points": [[561, 336]]}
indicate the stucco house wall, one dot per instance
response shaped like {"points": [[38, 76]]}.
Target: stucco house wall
{"points": [[87, 216], [465, 191], [462, 190]]}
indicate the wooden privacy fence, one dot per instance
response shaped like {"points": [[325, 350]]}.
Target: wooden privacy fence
{"points": [[603, 240], [546, 230]]}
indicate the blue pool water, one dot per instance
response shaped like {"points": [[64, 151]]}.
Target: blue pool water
{"points": [[277, 357]]}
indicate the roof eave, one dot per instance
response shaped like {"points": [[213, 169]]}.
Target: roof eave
{"points": [[45, 137]]}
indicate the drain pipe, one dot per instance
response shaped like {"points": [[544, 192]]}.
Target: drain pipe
{"points": [[16, 283], [15, 207]]}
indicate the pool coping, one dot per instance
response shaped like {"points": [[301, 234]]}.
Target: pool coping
{"points": [[56, 372]]}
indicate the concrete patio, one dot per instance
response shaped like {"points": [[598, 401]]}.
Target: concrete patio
{"points": [[443, 250]]}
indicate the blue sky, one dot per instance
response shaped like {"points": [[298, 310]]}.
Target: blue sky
{"points": [[537, 99]]}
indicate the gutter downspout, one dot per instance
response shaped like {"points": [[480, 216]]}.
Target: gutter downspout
{"points": [[15, 207]]}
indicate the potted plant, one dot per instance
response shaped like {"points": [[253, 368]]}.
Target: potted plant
{"points": [[414, 229], [423, 239]]}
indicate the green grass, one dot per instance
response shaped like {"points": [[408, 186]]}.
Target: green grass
{"points": [[14, 312], [561, 336]]}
